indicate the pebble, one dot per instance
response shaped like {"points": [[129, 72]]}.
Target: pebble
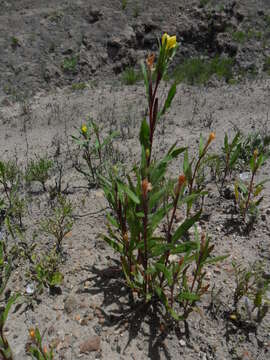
{"points": [[182, 342], [91, 344]]}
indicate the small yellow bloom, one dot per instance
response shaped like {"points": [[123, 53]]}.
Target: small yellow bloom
{"points": [[84, 129], [170, 41], [233, 317], [256, 153]]}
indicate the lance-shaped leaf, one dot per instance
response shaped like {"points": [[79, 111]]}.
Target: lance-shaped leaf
{"points": [[169, 100], [185, 226]]}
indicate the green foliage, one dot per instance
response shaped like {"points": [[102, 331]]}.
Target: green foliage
{"points": [[70, 64], [251, 292], [14, 42], [124, 4], [39, 170], [157, 264], [224, 165], [130, 76], [94, 149], [60, 223], [7, 301], [239, 36], [203, 3], [44, 270], [10, 181], [196, 71], [248, 195], [195, 175], [266, 66], [251, 142], [78, 86], [36, 349]]}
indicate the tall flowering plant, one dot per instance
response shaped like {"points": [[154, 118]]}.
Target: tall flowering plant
{"points": [[157, 259]]}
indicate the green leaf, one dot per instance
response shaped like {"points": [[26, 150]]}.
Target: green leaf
{"points": [[201, 146], [145, 134], [188, 296], [185, 226], [129, 193], [56, 279], [215, 259], [235, 156], [169, 99], [145, 78], [4, 314], [117, 247], [226, 144], [164, 270]]}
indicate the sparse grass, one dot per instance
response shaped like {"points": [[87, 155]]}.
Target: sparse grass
{"points": [[78, 86], [130, 76], [197, 71]]}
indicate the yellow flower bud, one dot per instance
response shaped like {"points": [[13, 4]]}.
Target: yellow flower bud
{"points": [[84, 129], [256, 153], [147, 153]]}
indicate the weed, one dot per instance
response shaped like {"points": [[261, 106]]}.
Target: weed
{"points": [[146, 202], [196, 175], [239, 36], [93, 149], [39, 170], [60, 223], [10, 180], [5, 271], [70, 64], [124, 4], [44, 271], [266, 66], [224, 164], [36, 349], [14, 42], [78, 86], [130, 76], [246, 195], [250, 292]]}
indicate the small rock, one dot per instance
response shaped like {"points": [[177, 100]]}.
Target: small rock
{"points": [[182, 342], [91, 344], [70, 304]]}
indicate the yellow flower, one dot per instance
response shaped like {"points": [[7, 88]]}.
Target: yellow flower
{"points": [[170, 41], [84, 129]]}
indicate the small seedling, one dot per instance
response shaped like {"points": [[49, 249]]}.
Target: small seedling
{"points": [[130, 76], [246, 196], [70, 64], [223, 165], [45, 272], [60, 223], [94, 151], [39, 170], [196, 174], [36, 349], [251, 293]]}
